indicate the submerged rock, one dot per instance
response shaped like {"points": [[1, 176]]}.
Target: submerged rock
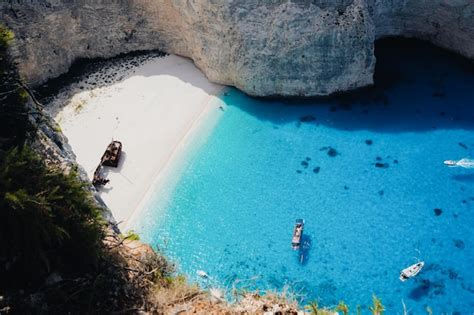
{"points": [[438, 211], [459, 243], [345, 107], [316, 170], [332, 152], [307, 118], [368, 142], [452, 274], [421, 290]]}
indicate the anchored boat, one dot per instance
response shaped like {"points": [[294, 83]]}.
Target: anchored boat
{"points": [[297, 234], [411, 271]]}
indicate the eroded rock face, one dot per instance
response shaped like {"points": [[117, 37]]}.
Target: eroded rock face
{"points": [[270, 47]]}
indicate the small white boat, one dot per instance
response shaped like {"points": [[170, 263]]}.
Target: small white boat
{"points": [[297, 234], [450, 163], [411, 271], [202, 274]]}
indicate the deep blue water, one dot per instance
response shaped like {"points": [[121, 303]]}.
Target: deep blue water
{"points": [[269, 162]]}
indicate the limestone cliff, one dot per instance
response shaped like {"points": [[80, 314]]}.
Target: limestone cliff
{"points": [[270, 47]]}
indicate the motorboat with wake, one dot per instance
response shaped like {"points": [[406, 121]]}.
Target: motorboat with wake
{"points": [[465, 163], [297, 234], [411, 271]]}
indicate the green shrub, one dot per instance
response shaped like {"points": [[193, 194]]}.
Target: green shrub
{"points": [[6, 35], [23, 96], [175, 280], [131, 235], [47, 221]]}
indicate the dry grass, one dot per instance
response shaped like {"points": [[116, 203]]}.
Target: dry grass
{"points": [[79, 106], [174, 293], [176, 296]]}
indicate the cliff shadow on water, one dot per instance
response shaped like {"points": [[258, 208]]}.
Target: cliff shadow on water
{"points": [[417, 87]]}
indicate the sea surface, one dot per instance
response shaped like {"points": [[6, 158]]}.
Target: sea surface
{"points": [[364, 170]]}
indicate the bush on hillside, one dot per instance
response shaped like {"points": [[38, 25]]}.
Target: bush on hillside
{"points": [[13, 114], [47, 221]]}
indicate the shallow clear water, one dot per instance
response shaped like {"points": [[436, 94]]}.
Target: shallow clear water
{"points": [[269, 162]]}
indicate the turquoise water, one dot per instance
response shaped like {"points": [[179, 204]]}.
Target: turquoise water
{"points": [[366, 173]]}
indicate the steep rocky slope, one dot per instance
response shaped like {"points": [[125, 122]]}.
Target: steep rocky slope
{"points": [[271, 47]]}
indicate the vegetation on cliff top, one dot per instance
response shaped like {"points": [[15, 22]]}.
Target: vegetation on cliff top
{"points": [[57, 254]]}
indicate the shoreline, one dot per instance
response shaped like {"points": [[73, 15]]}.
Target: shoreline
{"points": [[156, 110], [201, 127]]}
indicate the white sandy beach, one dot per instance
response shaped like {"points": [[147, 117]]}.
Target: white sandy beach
{"points": [[153, 112]]}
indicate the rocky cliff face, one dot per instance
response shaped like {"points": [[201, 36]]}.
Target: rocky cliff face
{"points": [[270, 47]]}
